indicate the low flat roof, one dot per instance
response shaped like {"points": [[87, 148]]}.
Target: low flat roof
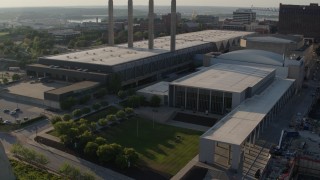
{"points": [[113, 55], [74, 87], [161, 88], [238, 124], [225, 77]]}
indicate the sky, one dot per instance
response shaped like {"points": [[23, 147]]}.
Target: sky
{"points": [[233, 3]]}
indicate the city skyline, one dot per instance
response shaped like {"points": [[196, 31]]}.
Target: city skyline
{"points": [[230, 3]]}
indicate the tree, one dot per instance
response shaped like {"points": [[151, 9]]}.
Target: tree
{"points": [[66, 117], [102, 122], [100, 141], [91, 149], [108, 152], [138, 36], [131, 155], [16, 77], [83, 128], [121, 161], [77, 113], [93, 126], [63, 127], [155, 101], [121, 114], [111, 118], [128, 110], [5, 81], [122, 94], [56, 119], [85, 138]]}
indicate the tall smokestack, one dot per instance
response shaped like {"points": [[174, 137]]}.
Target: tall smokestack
{"points": [[173, 25], [151, 24], [111, 24], [130, 23]]}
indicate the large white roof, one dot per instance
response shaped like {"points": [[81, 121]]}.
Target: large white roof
{"points": [[238, 124], [225, 77], [270, 39], [121, 53], [254, 56]]}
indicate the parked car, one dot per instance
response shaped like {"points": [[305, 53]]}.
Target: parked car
{"points": [[17, 109], [6, 110], [13, 113], [6, 122]]}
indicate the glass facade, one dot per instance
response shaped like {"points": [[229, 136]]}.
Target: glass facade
{"points": [[201, 100]]}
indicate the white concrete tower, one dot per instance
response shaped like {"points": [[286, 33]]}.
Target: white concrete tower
{"points": [[151, 24], [130, 24], [111, 24], [173, 25]]}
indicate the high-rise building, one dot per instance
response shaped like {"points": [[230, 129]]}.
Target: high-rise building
{"points": [[300, 19], [244, 16]]}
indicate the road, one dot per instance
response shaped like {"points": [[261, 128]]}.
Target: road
{"points": [[57, 158]]}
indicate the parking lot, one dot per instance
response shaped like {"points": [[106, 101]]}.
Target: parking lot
{"points": [[25, 112]]}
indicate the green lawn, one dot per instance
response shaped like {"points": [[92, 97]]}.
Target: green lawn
{"points": [[158, 147]]}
